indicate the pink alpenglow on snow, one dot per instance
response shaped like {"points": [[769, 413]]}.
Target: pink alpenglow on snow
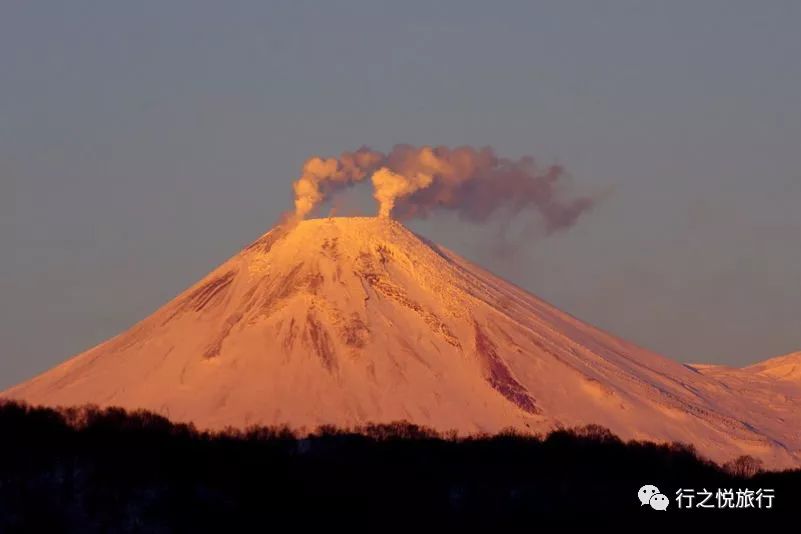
{"points": [[345, 321]]}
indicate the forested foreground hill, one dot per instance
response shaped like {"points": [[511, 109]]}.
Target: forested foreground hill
{"points": [[92, 470]]}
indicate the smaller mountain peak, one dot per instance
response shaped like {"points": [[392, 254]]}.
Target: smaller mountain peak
{"points": [[787, 367]]}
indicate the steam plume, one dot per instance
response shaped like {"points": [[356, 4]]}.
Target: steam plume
{"points": [[390, 186], [323, 176], [414, 181]]}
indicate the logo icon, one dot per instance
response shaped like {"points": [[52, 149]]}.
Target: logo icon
{"points": [[650, 494]]}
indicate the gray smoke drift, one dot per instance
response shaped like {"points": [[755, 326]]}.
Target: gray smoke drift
{"points": [[476, 184]]}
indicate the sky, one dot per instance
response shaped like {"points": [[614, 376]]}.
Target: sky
{"points": [[143, 143]]}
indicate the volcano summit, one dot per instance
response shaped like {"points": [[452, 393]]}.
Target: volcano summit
{"points": [[345, 321]]}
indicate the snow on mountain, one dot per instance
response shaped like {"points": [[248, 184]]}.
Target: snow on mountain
{"points": [[345, 321], [784, 367]]}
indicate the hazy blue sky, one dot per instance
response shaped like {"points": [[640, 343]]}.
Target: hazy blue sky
{"points": [[142, 143]]}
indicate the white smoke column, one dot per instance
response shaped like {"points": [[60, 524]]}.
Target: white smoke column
{"points": [[321, 176], [390, 186], [307, 187]]}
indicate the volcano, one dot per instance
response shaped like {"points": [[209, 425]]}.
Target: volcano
{"points": [[345, 321]]}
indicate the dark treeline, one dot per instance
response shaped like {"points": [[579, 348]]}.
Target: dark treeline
{"points": [[93, 470]]}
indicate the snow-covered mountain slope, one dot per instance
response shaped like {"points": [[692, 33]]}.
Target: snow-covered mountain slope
{"points": [[352, 320], [785, 367]]}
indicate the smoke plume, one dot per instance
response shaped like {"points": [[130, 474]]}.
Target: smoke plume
{"points": [[476, 184], [389, 186], [321, 177]]}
